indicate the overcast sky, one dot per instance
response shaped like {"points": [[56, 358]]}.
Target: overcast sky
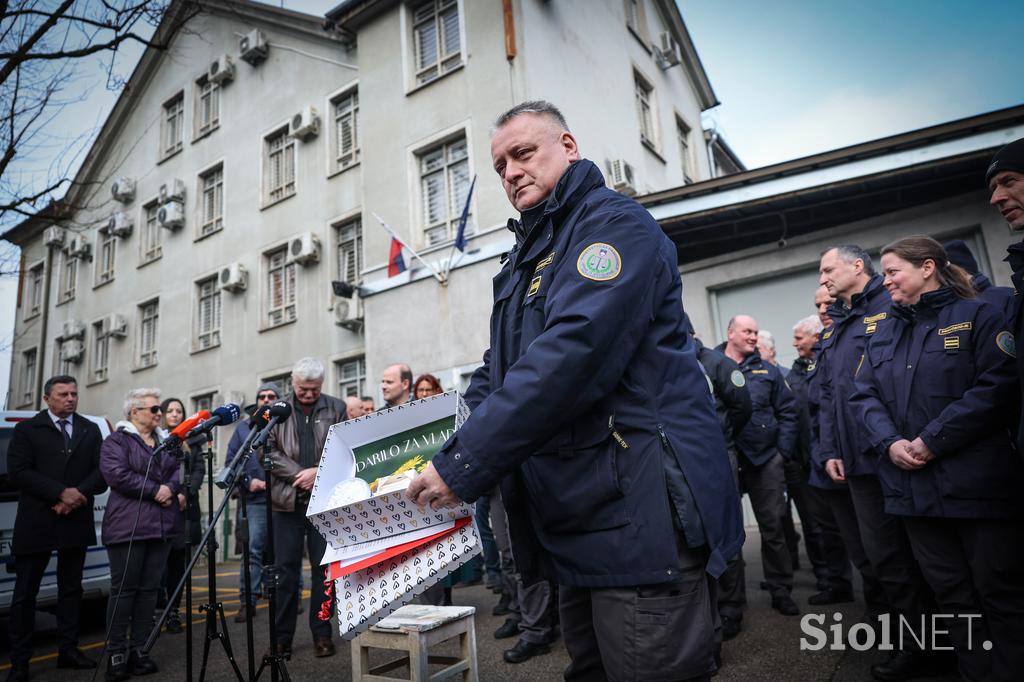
{"points": [[794, 77]]}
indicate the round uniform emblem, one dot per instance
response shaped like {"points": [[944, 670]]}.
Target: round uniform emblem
{"points": [[1006, 343], [599, 262], [738, 380]]}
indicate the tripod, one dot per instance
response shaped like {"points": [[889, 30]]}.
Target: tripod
{"points": [[274, 659]]}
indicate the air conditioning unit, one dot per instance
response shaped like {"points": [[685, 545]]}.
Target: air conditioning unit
{"points": [[115, 325], [622, 177], [669, 50], [172, 191], [222, 70], [304, 249], [252, 47], [71, 329], [234, 277], [171, 215], [123, 190], [79, 247], [348, 312], [72, 351], [119, 225], [305, 124], [54, 236]]}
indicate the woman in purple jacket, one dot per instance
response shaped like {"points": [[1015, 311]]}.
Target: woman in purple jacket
{"points": [[139, 524]]}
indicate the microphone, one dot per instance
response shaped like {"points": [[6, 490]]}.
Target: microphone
{"points": [[279, 412], [226, 476], [227, 414], [180, 431], [259, 417]]}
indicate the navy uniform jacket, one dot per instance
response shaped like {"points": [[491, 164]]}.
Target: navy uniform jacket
{"points": [[590, 407], [941, 370], [798, 381], [773, 424], [989, 293], [1015, 319], [842, 347], [732, 399]]}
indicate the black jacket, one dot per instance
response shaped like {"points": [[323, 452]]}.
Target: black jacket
{"points": [[799, 379], [732, 399], [41, 469]]}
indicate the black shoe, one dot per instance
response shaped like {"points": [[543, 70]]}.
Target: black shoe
{"points": [[18, 673], [524, 651], [173, 624], [75, 659], [902, 665], [830, 596], [730, 628], [784, 604], [141, 664], [509, 629], [501, 609], [117, 668]]}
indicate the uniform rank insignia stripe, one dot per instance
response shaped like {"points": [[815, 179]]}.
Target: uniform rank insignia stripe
{"points": [[599, 262], [759, 371], [870, 329], [1006, 343], [827, 334], [951, 343], [874, 318], [534, 286], [958, 327], [544, 262]]}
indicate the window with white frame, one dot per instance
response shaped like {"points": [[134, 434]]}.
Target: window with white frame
{"points": [[150, 245], [207, 314], [206, 401], [207, 99], [437, 43], [149, 317], [172, 125], [644, 93], [61, 363], [278, 166], [33, 291], [633, 15], [211, 201], [283, 381], [346, 129], [351, 375], [685, 151], [27, 380], [444, 186], [280, 291], [350, 250], [68, 277], [99, 356], [106, 252]]}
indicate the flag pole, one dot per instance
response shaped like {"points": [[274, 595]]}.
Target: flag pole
{"points": [[460, 236], [443, 279]]}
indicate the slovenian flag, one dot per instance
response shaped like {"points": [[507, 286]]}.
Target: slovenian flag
{"points": [[396, 262]]}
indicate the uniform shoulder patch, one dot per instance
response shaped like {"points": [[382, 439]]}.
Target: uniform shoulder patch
{"points": [[1006, 343], [599, 262], [737, 378]]}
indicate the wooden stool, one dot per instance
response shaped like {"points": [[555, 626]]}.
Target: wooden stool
{"points": [[414, 629]]}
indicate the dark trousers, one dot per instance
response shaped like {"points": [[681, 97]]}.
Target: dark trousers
{"points": [[796, 492], [837, 573], [492, 560], [732, 584], [134, 582], [29, 569], [766, 486], [291, 532], [888, 549], [177, 560], [976, 566], [650, 632], [841, 505]]}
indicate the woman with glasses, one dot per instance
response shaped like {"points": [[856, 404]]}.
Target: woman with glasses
{"points": [[174, 413], [140, 522]]}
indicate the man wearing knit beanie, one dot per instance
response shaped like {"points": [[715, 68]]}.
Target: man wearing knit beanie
{"points": [[960, 254], [1005, 179]]}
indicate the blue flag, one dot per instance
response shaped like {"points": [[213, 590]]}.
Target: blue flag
{"points": [[460, 234]]}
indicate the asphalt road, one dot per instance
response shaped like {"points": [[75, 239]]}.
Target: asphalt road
{"points": [[767, 649]]}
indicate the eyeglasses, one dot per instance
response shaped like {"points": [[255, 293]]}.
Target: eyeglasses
{"points": [[153, 409], [266, 396]]}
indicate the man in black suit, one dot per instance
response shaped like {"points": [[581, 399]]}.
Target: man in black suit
{"points": [[54, 461]]}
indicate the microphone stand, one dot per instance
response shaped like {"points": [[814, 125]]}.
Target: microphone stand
{"points": [[274, 660]]}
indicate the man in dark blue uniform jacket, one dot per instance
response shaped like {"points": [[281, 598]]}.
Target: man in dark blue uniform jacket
{"points": [[592, 411], [960, 254]]}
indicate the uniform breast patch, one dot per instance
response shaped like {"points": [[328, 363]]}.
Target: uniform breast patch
{"points": [[951, 343], [544, 262], [759, 371], [738, 380], [1006, 343], [534, 286], [599, 262], [827, 334], [958, 327]]}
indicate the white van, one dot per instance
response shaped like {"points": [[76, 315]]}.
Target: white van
{"points": [[95, 577]]}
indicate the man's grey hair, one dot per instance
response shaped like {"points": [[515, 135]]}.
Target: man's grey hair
{"points": [[809, 325], [767, 337], [537, 106], [850, 253], [136, 397], [309, 369]]}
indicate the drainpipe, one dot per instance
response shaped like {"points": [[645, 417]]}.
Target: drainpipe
{"points": [[43, 325]]}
